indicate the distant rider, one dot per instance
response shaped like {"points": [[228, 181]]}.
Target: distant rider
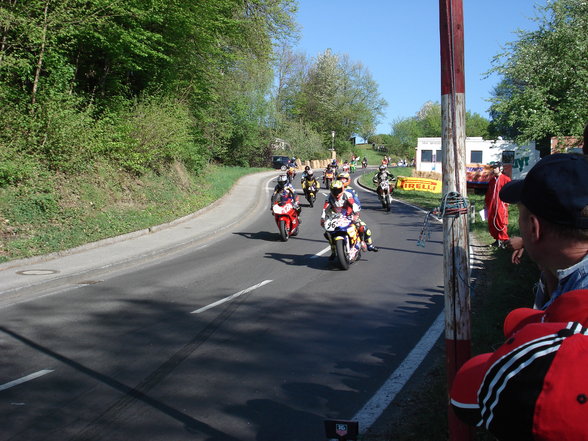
{"points": [[309, 181], [329, 173], [346, 167], [304, 173], [382, 175], [340, 202], [364, 230], [334, 166]]}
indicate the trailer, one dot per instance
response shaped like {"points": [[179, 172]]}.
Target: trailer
{"points": [[480, 154]]}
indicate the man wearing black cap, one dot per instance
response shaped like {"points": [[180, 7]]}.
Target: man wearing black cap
{"points": [[553, 220]]}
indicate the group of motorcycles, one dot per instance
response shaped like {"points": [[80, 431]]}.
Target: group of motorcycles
{"points": [[339, 229]]}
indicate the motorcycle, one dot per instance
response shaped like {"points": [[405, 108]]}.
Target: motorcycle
{"points": [[363, 164], [353, 167], [310, 194], [341, 231], [286, 218], [385, 190], [328, 177]]}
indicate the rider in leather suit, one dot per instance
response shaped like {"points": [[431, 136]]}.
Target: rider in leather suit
{"points": [[281, 186], [339, 201], [364, 230], [382, 175]]}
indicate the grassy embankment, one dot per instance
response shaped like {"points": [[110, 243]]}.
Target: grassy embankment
{"points": [[54, 213]]}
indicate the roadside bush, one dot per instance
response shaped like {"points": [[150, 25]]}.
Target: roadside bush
{"points": [[149, 134], [304, 141], [13, 171], [60, 132]]}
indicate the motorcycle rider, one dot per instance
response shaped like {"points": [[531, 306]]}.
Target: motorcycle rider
{"points": [[284, 186], [308, 181], [304, 173], [364, 230], [329, 171], [382, 175], [346, 167], [339, 201], [334, 165]]}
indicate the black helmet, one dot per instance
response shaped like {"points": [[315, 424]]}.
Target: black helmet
{"points": [[282, 179], [309, 175]]}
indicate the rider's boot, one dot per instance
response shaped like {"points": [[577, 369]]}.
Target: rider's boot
{"points": [[371, 246]]}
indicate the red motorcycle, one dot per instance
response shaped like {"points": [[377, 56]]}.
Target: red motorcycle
{"points": [[286, 217]]}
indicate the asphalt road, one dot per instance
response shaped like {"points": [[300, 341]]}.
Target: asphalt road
{"points": [[242, 337]]}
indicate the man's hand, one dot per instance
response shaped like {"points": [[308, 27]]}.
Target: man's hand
{"points": [[516, 244]]}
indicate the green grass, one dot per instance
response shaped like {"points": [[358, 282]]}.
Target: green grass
{"points": [[55, 213], [366, 150]]}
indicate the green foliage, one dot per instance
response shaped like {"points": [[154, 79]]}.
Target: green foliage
{"points": [[329, 93], [152, 133], [544, 91], [84, 80], [304, 141], [427, 123]]}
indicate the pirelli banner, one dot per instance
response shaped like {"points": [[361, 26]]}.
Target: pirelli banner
{"points": [[419, 184]]}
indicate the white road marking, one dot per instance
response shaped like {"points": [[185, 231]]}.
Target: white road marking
{"points": [[321, 252], [372, 410], [386, 394], [25, 379], [231, 297]]}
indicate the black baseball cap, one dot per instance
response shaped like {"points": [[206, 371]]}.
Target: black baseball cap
{"points": [[555, 189]]}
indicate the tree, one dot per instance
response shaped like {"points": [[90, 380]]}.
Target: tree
{"points": [[427, 123], [335, 94], [544, 90]]}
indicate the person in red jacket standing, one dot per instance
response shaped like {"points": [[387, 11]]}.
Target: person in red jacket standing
{"points": [[496, 209]]}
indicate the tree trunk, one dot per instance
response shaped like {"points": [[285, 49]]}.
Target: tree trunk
{"points": [[41, 55]]}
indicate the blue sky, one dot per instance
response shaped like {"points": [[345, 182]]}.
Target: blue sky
{"points": [[398, 42]]}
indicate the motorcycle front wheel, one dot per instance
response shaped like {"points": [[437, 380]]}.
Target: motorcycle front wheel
{"points": [[283, 231], [341, 255]]}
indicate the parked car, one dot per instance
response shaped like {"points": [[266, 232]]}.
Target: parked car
{"points": [[280, 162]]}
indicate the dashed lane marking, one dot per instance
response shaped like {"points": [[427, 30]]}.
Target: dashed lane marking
{"points": [[25, 379], [231, 297]]}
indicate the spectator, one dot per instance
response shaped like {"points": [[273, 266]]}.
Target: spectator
{"points": [[553, 220], [534, 386], [496, 209]]}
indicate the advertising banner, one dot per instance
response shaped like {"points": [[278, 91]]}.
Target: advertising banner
{"points": [[419, 184]]}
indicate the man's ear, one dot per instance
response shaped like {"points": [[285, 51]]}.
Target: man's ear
{"points": [[535, 228]]}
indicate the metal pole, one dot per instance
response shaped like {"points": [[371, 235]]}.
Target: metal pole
{"points": [[455, 229]]}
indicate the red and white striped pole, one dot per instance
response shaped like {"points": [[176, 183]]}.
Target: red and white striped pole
{"points": [[455, 229]]}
